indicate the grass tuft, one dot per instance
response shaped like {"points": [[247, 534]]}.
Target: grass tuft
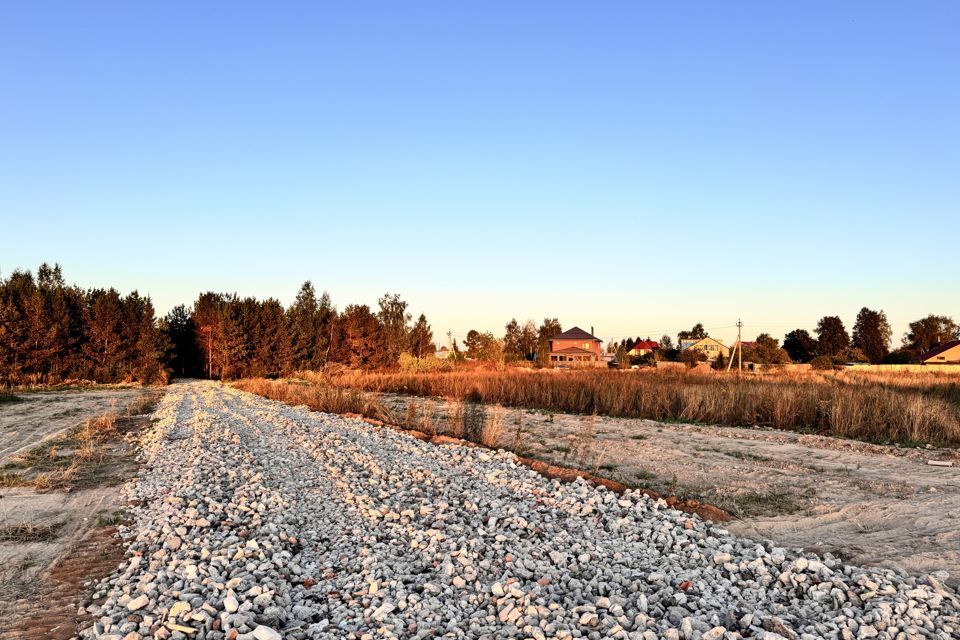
{"points": [[6, 397], [29, 532]]}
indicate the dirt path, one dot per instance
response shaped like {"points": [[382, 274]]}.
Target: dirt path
{"points": [[52, 543], [44, 414], [872, 504]]}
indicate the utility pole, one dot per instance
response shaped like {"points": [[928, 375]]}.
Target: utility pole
{"points": [[738, 348]]}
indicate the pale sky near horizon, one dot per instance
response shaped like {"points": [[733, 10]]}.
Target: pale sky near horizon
{"points": [[623, 165]]}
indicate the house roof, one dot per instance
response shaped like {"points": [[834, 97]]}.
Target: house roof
{"points": [[946, 346], [645, 344], [686, 344], [574, 350], [575, 334]]}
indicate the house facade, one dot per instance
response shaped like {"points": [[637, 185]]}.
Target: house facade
{"points": [[708, 346], [947, 353], [643, 347], [575, 347]]}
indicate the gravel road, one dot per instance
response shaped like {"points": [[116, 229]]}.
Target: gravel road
{"points": [[259, 520]]}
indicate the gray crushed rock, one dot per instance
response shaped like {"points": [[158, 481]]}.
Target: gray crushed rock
{"points": [[262, 521]]}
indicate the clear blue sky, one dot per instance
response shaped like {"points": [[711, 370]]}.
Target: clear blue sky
{"points": [[634, 166]]}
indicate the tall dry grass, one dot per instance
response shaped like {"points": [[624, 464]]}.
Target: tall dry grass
{"points": [[904, 408], [325, 397]]}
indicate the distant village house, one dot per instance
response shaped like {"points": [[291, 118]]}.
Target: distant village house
{"points": [[643, 347], [575, 347], [708, 346], [947, 353]]}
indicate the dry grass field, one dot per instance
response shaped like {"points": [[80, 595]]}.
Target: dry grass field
{"points": [[888, 407]]}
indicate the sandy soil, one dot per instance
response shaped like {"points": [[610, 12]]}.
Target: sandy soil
{"points": [[871, 504], [45, 414], [39, 531], [69, 513]]}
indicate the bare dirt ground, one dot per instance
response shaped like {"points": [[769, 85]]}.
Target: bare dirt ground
{"points": [[52, 542], [45, 414], [871, 504]]}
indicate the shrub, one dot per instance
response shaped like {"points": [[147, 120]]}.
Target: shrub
{"points": [[692, 357], [901, 356], [413, 364], [822, 363]]}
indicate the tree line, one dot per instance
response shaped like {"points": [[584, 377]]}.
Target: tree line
{"points": [[51, 332], [830, 344], [527, 342], [869, 342], [225, 336]]}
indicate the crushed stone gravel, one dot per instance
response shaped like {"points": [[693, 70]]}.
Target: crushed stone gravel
{"points": [[257, 520]]}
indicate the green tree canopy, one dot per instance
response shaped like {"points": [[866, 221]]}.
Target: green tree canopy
{"points": [[800, 345], [927, 333], [871, 334], [832, 336]]}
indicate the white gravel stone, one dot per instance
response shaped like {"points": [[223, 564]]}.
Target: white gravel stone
{"points": [[329, 528]]}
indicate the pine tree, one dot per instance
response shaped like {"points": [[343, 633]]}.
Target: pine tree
{"points": [[421, 338], [512, 341], [362, 337], [303, 325]]}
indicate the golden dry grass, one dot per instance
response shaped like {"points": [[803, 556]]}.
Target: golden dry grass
{"points": [[899, 407], [323, 397]]}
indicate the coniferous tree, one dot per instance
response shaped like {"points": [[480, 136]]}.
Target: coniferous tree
{"points": [[421, 338], [362, 337], [513, 341], [303, 327], [183, 355], [104, 346], [326, 331]]}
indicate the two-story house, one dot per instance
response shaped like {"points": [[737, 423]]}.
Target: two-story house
{"points": [[575, 347]]}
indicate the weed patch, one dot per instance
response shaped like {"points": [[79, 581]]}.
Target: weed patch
{"points": [[29, 532]]}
